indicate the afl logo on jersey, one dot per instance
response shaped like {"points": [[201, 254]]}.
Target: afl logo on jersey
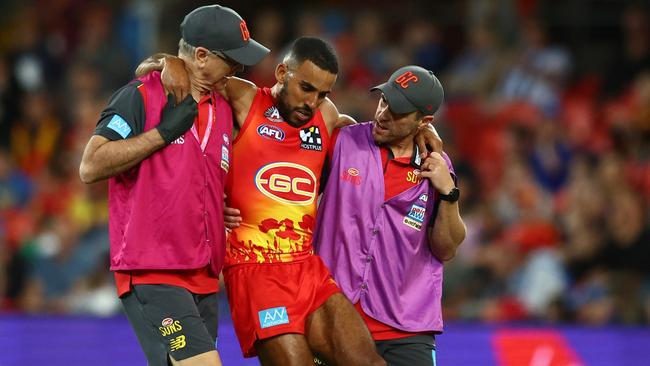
{"points": [[288, 183], [271, 132]]}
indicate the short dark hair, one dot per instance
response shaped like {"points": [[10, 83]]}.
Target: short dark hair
{"points": [[316, 50]]}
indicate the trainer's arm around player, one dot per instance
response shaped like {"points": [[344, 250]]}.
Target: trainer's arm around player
{"points": [[448, 230]]}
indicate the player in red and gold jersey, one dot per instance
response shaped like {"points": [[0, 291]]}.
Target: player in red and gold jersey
{"points": [[296, 309], [274, 183]]}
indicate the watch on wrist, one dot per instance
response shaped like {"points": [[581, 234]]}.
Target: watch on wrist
{"points": [[452, 196]]}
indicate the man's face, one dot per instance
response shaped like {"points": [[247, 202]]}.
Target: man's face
{"points": [[303, 89], [218, 66], [390, 127]]}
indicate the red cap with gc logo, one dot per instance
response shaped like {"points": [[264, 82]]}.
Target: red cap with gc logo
{"points": [[412, 88]]}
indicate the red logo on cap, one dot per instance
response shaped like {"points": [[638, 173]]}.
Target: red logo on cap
{"points": [[244, 31], [404, 79]]}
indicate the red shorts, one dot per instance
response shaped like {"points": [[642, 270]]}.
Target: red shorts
{"points": [[267, 300]]}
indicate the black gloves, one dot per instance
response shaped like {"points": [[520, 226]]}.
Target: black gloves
{"points": [[175, 120]]}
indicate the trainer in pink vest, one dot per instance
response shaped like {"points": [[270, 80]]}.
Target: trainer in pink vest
{"points": [[167, 212]]}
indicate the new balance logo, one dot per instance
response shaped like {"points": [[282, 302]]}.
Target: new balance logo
{"points": [[177, 343]]}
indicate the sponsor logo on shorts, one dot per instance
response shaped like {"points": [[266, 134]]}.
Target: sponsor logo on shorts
{"points": [[424, 198], [225, 166], [273, 316], [351, 175], [177, 343], [415, 217], [273, 115], [287, 182], [310, 139], [226, 139], [170, 326], [271, 132]]}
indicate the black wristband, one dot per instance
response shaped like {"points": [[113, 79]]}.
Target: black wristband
{"points": [[452, 196]]}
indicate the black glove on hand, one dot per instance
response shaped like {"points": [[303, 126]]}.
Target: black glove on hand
{"points": [[176, 120]]}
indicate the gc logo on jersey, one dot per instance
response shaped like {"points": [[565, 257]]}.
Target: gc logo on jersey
{"points": [[288, 183], [310, 139], [270, 132]]}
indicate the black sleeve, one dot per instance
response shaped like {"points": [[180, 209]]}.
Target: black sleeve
{"points": [[124, 116]]}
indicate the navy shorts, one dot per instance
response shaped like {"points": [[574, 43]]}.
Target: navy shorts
{"points": [[418, 350]]}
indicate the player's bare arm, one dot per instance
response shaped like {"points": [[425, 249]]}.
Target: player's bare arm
{"points": [[175, 82], [238, 92], [448, 231], [427, 139], [154, 62], [332, 118]]}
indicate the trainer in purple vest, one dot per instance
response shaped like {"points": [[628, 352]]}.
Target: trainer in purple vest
{"points": [[377, 250]]}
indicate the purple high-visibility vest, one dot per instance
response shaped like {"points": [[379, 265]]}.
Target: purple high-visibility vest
{"points": [[167, 212], [377, 250]]}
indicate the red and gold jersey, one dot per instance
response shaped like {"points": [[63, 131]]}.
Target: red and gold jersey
{"points": [[274, 182]]}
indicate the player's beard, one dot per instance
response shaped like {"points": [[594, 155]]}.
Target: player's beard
{"points": [[286, 111]]}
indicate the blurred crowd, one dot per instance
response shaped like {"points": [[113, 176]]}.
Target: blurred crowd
{"points": [[546, 117]]}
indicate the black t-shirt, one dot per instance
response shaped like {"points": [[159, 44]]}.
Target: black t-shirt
{"points": [[124, 116]]}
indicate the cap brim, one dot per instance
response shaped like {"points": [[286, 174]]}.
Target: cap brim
{"points": [[396, 100], [248, 55]]}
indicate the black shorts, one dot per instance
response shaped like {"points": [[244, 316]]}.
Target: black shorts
{"points": [[171, 320], [418, 350]]}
